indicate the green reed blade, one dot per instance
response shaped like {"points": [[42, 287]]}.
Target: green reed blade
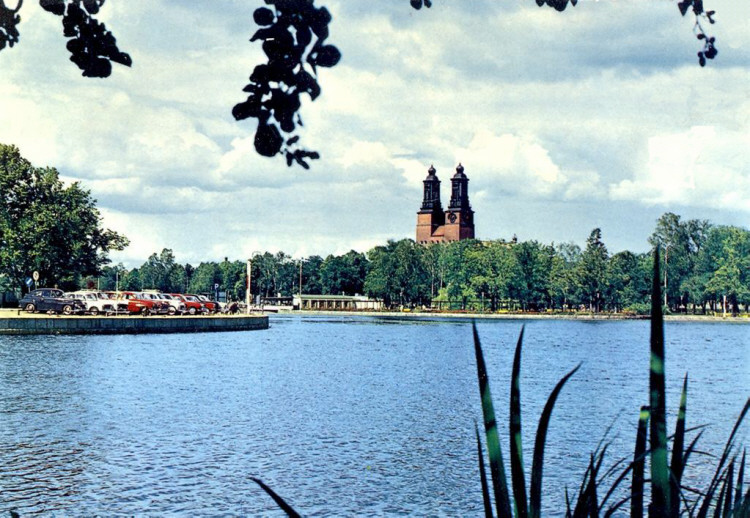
{"points": [[639, 462], [660, 490], [703, 512], [279, 501], [587, 505], [483, 476], [677, 453], [537, 467], [728, 485], [742, 507], [720, 502], [740, 480], [499, 481], [516, 442]]}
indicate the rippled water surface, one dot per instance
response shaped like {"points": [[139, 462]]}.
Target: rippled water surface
{"points": [[341, 416]]}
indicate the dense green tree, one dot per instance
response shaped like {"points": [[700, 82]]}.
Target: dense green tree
{"points": [[161, 272], [532, 287], [311, 275], [493, 270], [343, 275], [626, 281], [680, 242], [204, 277], [48, 227], [731, 277], [563, 283], [592, 271]]}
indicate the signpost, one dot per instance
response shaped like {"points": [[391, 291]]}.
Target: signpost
{"points": [[35, 275]]}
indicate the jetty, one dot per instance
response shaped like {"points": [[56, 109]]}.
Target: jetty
{"points": [[15, 322]]}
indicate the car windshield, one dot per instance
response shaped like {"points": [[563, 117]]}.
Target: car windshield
{"points": [[91, 296], [191, 298], [165, 296], [203, 298]]}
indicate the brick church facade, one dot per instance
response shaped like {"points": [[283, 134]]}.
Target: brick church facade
{"points": [[454, 224]]}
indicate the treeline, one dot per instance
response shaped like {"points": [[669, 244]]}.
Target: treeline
{"points": [[703, 264]]}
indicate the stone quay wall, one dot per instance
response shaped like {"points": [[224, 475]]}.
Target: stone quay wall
{"points": [[15, 323]]}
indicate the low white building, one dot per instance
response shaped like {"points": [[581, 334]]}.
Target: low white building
{"points": [[336, 303]]}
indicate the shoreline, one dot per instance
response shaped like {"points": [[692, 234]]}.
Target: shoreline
{"points": [[519, 316]]}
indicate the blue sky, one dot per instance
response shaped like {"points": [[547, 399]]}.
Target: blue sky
{"points": [[596, 117]]}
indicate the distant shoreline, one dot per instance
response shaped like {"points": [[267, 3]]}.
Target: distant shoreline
{"points": [[521, 316]]}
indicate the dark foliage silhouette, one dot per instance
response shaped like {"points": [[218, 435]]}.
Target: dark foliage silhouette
{"points": [[293, 36], [91, 45]]}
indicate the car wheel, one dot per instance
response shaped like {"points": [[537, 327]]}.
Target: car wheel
{"points": [[30, 308], [67, 309], [191, 311], [171, 310], [94, 311], [145, 312]]}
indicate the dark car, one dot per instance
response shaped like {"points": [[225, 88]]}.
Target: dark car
{"points": [[51, 299]]}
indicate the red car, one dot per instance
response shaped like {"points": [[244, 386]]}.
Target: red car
{"points": [[192, 304], [143, 303], [210, 305]]}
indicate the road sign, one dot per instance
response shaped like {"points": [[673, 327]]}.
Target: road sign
{"points": [[29, 280], [35, 275], [216, 286]]}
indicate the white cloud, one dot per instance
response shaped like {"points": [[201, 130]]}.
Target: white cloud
{"points": [[701, 167]]}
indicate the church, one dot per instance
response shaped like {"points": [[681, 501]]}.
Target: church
{"points": [[454, 224]]}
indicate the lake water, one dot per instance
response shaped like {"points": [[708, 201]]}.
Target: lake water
{"points": [[340, 415]]}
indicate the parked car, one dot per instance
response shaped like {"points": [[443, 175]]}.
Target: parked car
{"points": [[192, 304], [51, 299], [142, 303], [175, 305], [121, 306], [96, 302], [211, 305]]}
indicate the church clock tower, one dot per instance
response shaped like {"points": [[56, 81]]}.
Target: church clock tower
{"points": [[431, 215], [459, 218]]}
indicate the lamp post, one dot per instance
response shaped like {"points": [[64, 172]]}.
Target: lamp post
{"points": [[666, 265]]}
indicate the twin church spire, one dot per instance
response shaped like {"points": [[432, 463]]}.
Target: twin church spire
{"points": [[454, 224]]}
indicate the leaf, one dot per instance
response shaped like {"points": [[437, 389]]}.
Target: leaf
{"points": [[53, 6], [276, 498], [516, 446], [660, 494], [327, 56], [263, 16], [499, 481], [684, 6], [483, 476], [639, 463], [678, 445], [268, 140]]}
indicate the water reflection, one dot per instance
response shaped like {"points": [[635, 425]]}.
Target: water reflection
{"points": [[345, 416]]}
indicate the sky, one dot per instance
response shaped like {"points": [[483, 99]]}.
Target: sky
{"points": [[599, 116]]}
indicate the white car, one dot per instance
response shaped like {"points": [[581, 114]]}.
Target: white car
{"points": [[96, 302], [176, 306]]}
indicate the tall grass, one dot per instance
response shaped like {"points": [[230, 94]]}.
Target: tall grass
{"points": [[725, 495]]}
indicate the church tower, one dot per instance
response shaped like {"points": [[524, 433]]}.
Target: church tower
{"points": [[459, 218], [435, 225], [430, 217]]}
